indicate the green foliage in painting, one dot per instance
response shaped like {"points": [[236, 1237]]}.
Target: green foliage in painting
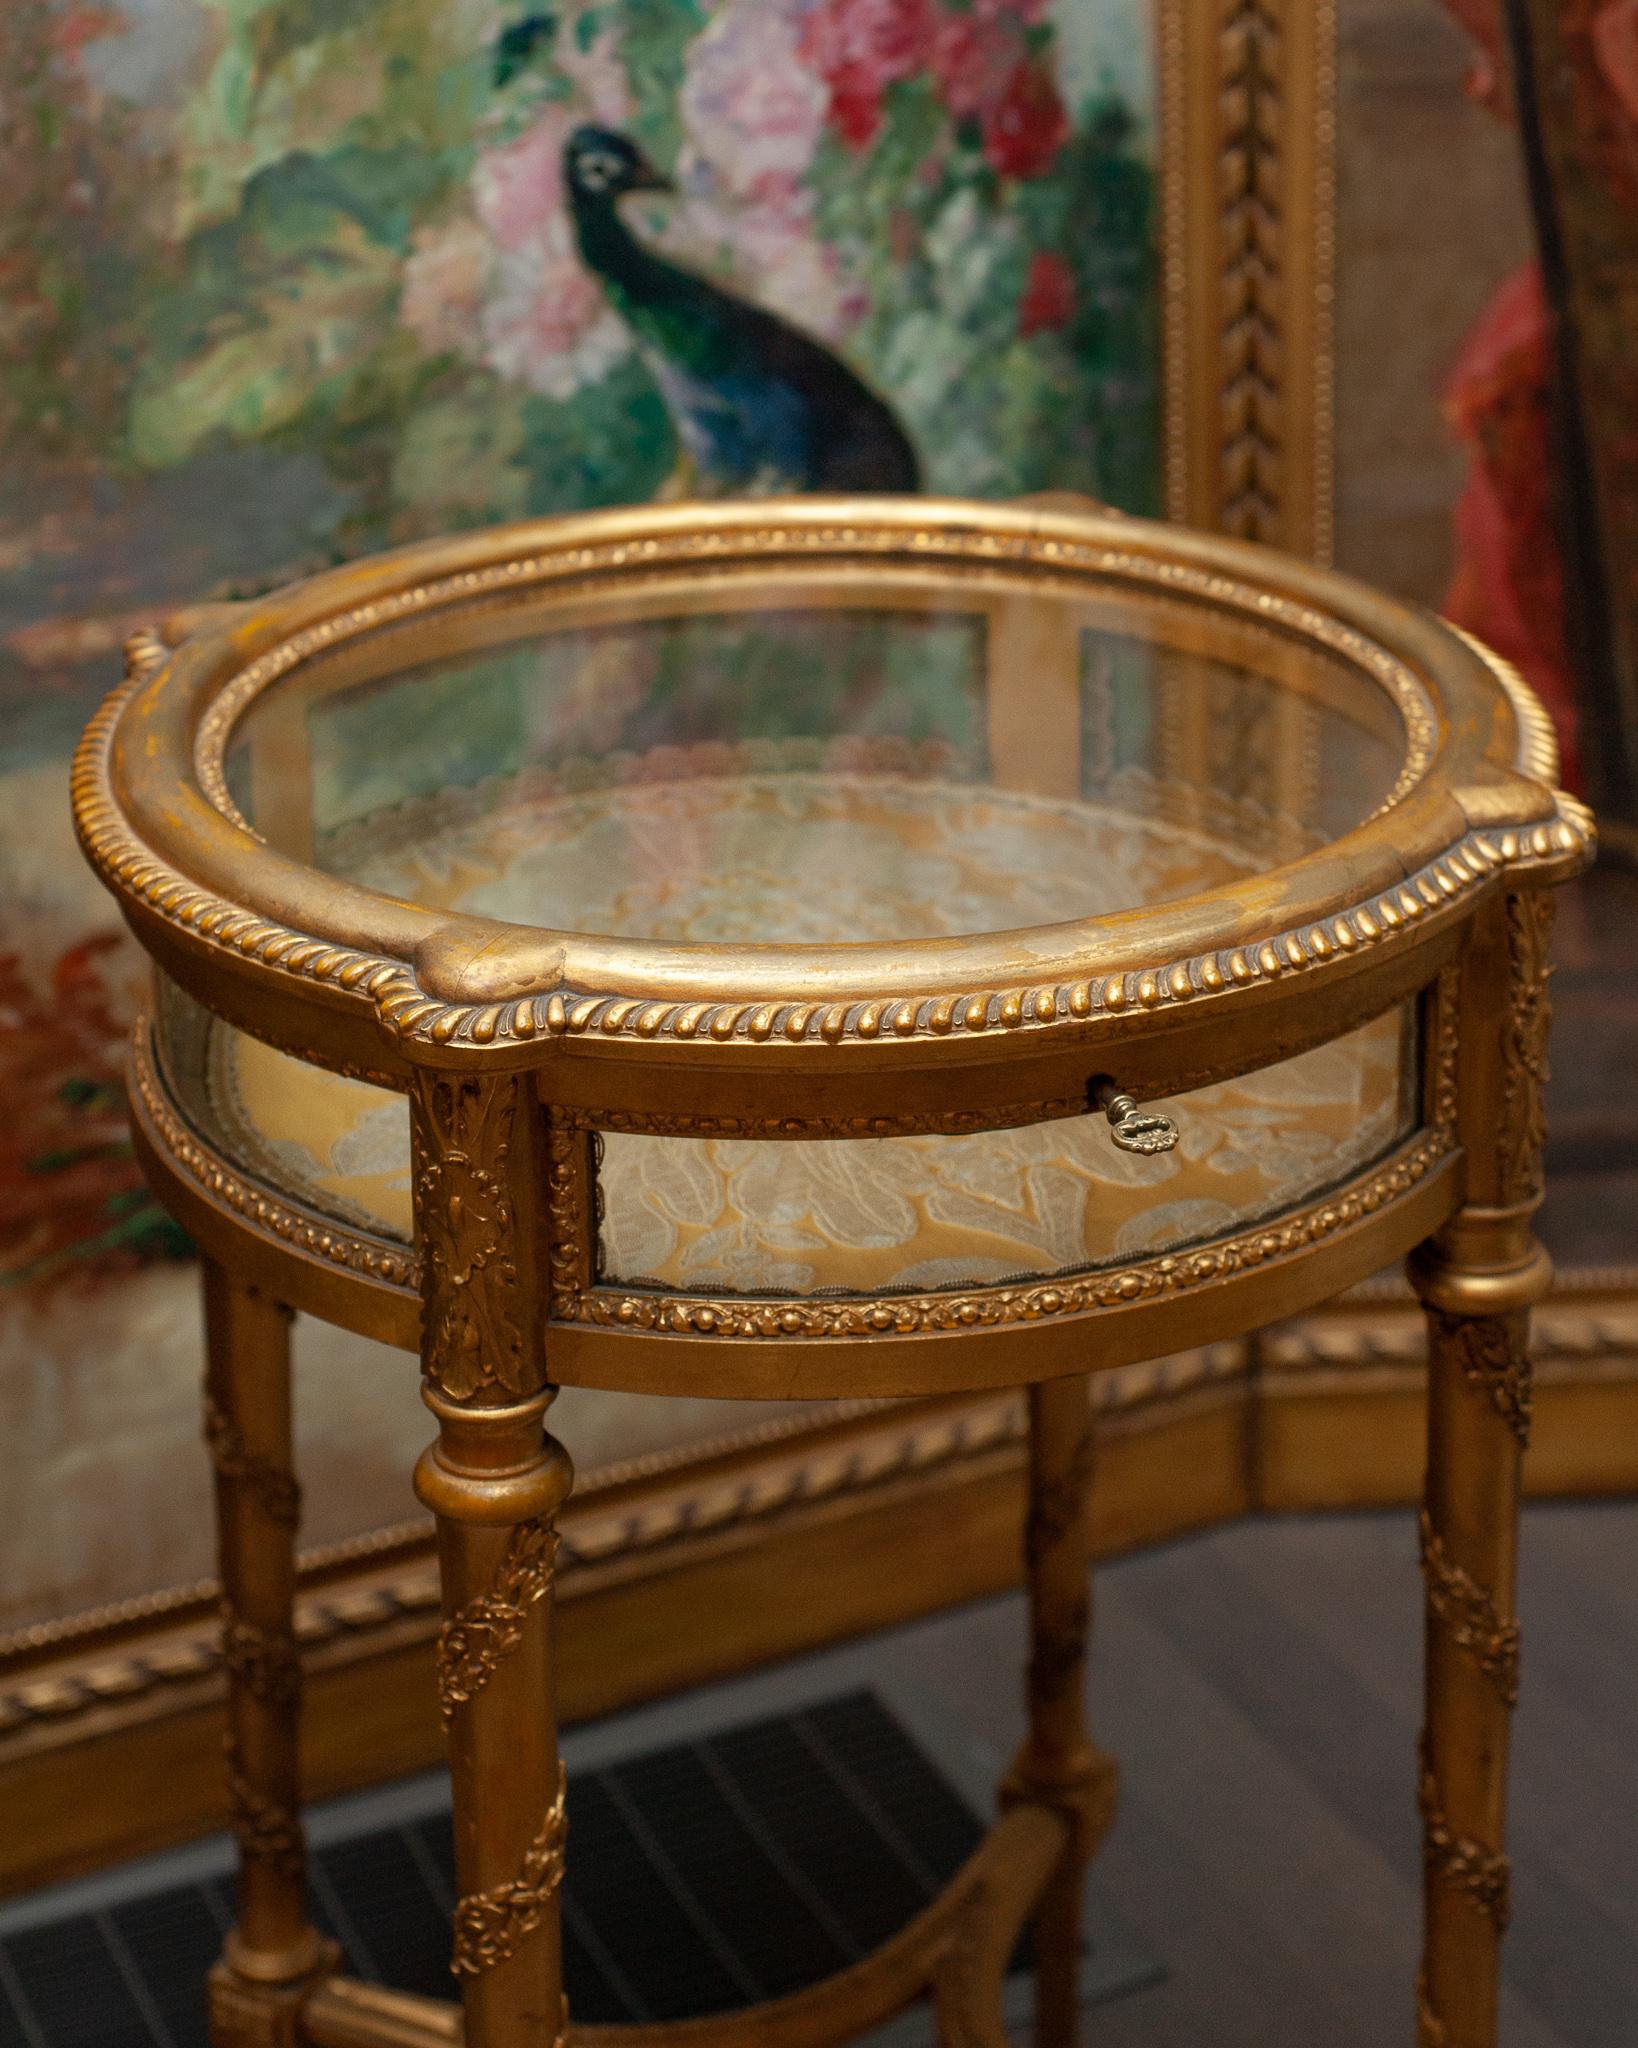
{"points": [[352, 241]]}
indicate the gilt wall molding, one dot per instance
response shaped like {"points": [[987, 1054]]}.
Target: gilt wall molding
{"points": [[1248, 182]]}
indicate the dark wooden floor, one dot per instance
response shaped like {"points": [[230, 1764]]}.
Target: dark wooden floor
{"points": [[1261, 1688]]}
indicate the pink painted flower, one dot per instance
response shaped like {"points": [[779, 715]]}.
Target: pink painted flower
{"points": [[504, 285], [1026, 11], [1047, 302], [1026, 127], [1615, 44], [444, 279], [752, 112], [547, 325], [860, 48], [518, 188], [972, 61]]}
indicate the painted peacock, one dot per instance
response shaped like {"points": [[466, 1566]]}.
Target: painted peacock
{"points": [[758, 405]]}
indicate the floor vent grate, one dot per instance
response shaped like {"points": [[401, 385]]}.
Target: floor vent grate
{"points": [[737, 1865]]}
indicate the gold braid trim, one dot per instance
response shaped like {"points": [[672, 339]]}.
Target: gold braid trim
{"points": [[1483, 1875], [273, 1489], [490, 1925], [1467, 1610], [475, 1639]]}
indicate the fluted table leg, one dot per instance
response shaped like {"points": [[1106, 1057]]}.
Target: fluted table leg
{"points": [[273, 1952], [1059, 1765], [495, 1481], [1477, 1280]]}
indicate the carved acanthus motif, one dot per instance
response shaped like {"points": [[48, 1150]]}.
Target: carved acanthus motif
{"points": [[265, 1662], [1469, 1613], [489, 1925], [470, 1285], [1481, 1875], [1492, 1354], [264, 1830], [273, 1488], [474, 1641], [1522, 1133]]}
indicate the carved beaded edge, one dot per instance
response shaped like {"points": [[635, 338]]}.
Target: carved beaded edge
{"points": [[996, 1307], [409, 1014], [218, 1180]]}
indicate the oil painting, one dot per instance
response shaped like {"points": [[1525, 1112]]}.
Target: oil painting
{"points": [[282, 281]]}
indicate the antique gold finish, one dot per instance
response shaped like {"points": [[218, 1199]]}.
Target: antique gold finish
{"points": [[527, 1055]]}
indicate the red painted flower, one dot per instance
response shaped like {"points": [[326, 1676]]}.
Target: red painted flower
{"points": [[973, 61], [1508, 585], [1026, 11], [860, 48], [1025, 128], [1048, 298]]}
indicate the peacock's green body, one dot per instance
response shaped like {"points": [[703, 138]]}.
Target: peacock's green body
{"points": [[758, 405]]}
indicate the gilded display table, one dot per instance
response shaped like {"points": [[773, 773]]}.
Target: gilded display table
{"points": [[819, 950]]}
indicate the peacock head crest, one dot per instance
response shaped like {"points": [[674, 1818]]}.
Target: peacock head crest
{"points": [[602, 164]]}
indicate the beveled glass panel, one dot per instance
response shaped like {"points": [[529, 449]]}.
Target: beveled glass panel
{"points": [[872, 1215]]}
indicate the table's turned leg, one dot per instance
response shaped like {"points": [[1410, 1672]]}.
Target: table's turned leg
{"points": [[1477, 1280], [273, 1954], [1059, 1765], [495, 1481]]}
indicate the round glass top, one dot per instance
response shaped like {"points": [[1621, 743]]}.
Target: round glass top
{"points": [[796, 759]]}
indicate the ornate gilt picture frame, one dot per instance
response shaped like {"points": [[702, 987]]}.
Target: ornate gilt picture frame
{"points": [[1323, 1413]]}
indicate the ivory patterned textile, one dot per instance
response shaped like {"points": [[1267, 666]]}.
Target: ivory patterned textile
{"points": [[820, 857]]}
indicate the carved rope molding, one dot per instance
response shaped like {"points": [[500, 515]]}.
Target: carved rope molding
{"points": [[409, 1014], [1468, 1611], [476, 1640], [489, 1925]]}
